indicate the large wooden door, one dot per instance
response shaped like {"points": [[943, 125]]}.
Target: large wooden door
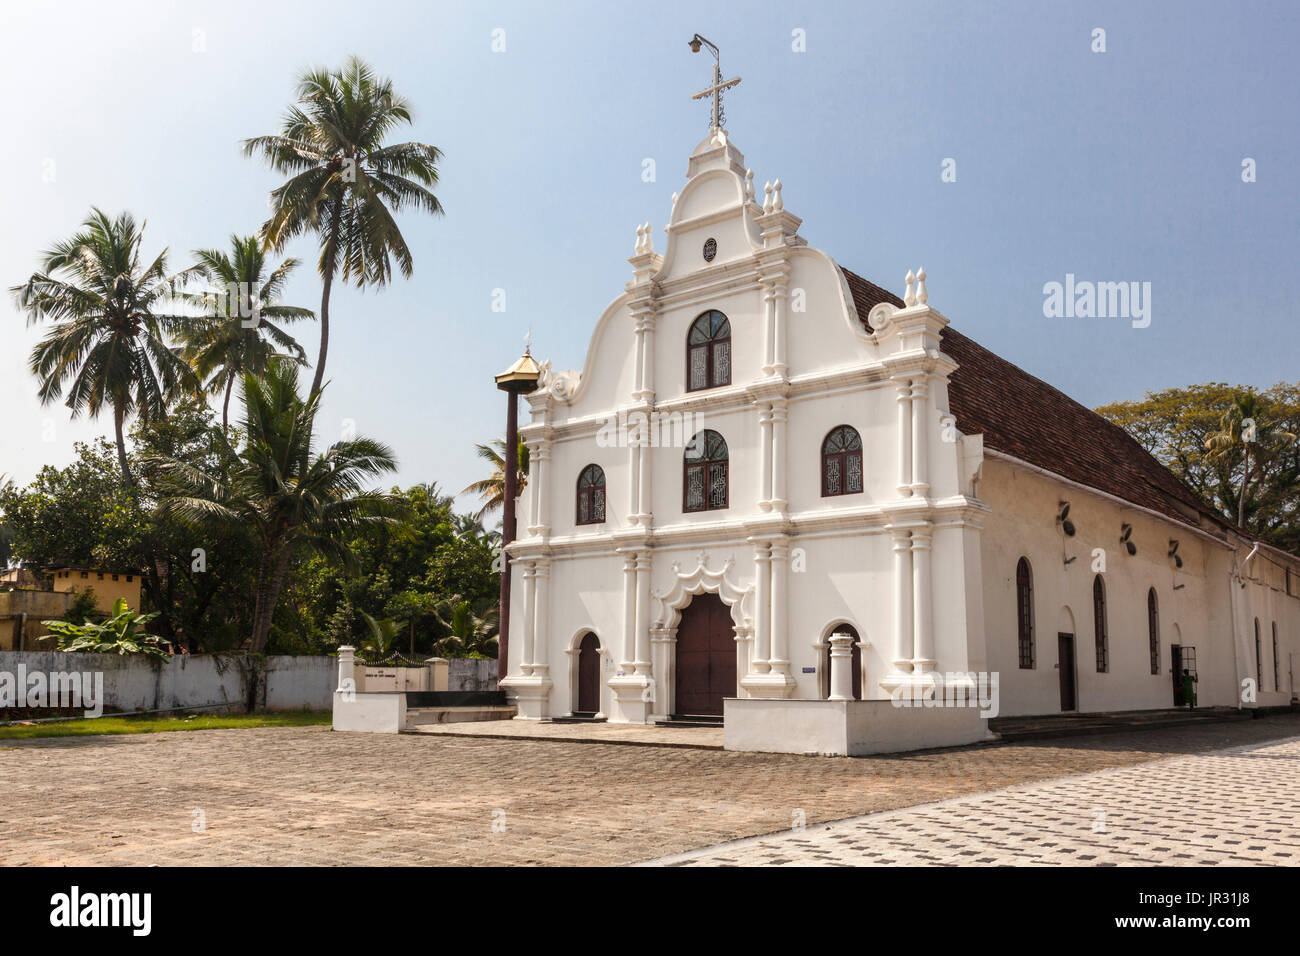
{"points": [[589, 675], [706, 657], [1065, 655]]}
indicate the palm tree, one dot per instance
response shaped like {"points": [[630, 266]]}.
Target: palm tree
{"points": [[467, 631], [109, 343], [380, 635], [345, 182], [223, 344], [278, 488], [492, 490], [1243, 431]]}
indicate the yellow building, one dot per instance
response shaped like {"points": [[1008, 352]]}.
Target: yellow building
{"points": [[107, 585]]}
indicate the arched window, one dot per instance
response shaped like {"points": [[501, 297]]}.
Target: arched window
{"points": [[708, 352], [1153, 629], [1259, 660], [1277, 671], [1025, 613], [704, 478], [842, 462], [591, 495], [855, 661], [1099, 624]]}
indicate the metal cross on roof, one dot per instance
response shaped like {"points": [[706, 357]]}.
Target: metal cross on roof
{"points": [[719, 85]]}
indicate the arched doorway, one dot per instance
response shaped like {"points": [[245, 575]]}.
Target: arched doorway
{"points": [[825, 669], [706, 657], [588, 675]]}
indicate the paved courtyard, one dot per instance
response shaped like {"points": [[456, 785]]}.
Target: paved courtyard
{"points": [[1237, 807], [310, 796]]}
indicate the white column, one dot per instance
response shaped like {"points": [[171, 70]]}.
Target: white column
{"points": [[769, 328], [841, 682], [765, 456], [645, 327], [642, 662], [904, 436], [763, 607], [634, 462], [539, 514], [902, 601], [347, 668], [779, 663], [780, 295], [643, 482], [922, 606], [780, 415], [542, 617], [530, 605], [920, 436], [629, 614]]}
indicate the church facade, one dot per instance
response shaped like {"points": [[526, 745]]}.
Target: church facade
{"points": [[768, 464]]}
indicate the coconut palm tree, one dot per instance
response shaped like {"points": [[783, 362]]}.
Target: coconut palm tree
{"points": [[237, 332], [345, 183], [467, 632], [1243, 431], [289, 496], [112, 320], [492, 490]]}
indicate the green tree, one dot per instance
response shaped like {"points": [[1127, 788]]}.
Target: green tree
{"points": [[1246, 434], [287, 496], [345, 182], [237, 332], [492, 489], [468, 632], [109, 344], [1174, 426]]}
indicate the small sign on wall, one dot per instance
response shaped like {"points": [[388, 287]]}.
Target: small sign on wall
{"points": [[810, 670]]}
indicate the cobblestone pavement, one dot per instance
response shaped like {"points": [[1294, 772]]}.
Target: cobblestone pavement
{"points": [[310, 796], [1238, 807]]}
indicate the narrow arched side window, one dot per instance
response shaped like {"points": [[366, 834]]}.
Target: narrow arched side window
{"points": [[591, 495], [1259, 660], [1099, 624], [704, 473], [1277, 671], [842, 462], [1153, 629], [708, 352], [1025, 613]]}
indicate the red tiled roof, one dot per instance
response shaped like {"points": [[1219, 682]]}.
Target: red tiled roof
{"points": [[1022, 416]]}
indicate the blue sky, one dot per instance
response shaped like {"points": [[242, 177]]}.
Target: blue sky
{"points": [[1115, 166]]}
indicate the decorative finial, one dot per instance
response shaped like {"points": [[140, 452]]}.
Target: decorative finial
{"points": [[640, 241], [649, 238], [674, 199], [922, 297], [909, 294], [528, 341], [749, 185], [767, 196], [777, 203]]}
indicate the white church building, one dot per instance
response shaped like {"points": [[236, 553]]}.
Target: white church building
{"points": [[768, 464]]}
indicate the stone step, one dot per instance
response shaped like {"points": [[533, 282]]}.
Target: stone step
{"points": [[419, 716]]}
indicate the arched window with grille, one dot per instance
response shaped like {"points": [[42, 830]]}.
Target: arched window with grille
{"points": [[591, 495], [1025, 613], [708, 352], [704, 473], [842, 462], [1099, 624], [1153, 629]]}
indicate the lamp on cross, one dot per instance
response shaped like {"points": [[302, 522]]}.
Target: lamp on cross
{"points": [[718, 86]]}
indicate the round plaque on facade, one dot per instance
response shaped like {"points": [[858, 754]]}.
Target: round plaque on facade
{"points": [[710, 249]]}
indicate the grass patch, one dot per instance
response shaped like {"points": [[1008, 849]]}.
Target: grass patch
{"points": [[156, 724]]}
